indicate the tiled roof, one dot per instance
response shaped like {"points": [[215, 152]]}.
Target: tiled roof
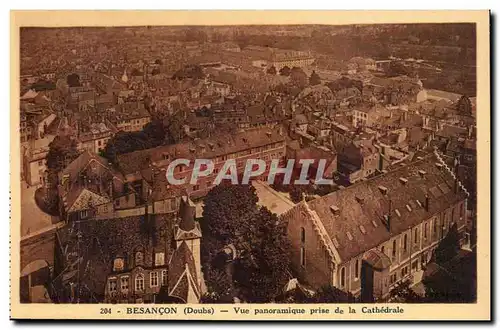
{"points": [[83, 199], [80, 163], [215, 146]]}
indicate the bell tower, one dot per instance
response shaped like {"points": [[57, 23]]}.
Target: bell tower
{"points": [[188, 231]]}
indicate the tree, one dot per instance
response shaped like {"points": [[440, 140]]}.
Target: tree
{"points": [[155, 71], [297, 193], [228, 210], [62, 151], [453, 282], [329, 294], [175, 128], [152, 135], [402, 293], [189, 72], [285, 71], [218, 286], [263, 270], [449, 246], [314, 79], [271, 71], [136, 72], [298, 77], [73, 80], [398, 69]]}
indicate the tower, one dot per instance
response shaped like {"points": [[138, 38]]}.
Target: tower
{"points": [[188, 231], [124, 76]]}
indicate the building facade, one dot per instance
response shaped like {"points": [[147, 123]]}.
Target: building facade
{"points": [[367, 237]]}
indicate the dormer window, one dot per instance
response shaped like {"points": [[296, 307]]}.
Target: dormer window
{"points": [[84, 214], [139, 258], [159, 259], [118, 264], [383, 190], [335, 210]]}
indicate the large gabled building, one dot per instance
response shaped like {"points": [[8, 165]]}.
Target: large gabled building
{"points": [[138, 259], [367, 237]]}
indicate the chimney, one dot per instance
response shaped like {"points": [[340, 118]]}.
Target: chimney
{"points": [[426, 202]]}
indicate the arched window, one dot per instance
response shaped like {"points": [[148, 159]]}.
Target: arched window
{"points": [[302, 256], [356, 269], [394, 246], [405, 242], [415, 236], [425, 230], [139, 282], [382, 249], [342, 277], [302, 235]]}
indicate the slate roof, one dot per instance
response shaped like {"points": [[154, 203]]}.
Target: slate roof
{"points": [[364, 204], [182, 273], [91, 247]]}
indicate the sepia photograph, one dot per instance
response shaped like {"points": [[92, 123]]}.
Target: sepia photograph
{"points": [[280, 166]]}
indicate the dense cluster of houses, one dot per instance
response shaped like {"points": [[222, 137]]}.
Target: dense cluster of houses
{"points": [[397, 152]]}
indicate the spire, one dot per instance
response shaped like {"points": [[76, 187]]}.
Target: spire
{"points": [[187, 214], [124, 76]]}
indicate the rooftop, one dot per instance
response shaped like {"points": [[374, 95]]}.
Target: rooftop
{"points": [[375, 206]]}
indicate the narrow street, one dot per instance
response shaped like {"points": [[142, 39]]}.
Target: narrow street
{"points": [[32, 217]]}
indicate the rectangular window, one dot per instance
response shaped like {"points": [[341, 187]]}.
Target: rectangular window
{"points": [[404, 271], [394, 249], [414, 265], [153, 279], [124, 283], [303, 256], [112, 285], [159, 259], [163, 277], [83, 214], [393, 278]]}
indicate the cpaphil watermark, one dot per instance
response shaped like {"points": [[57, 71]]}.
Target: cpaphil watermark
{"points": [[203, 168]]}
